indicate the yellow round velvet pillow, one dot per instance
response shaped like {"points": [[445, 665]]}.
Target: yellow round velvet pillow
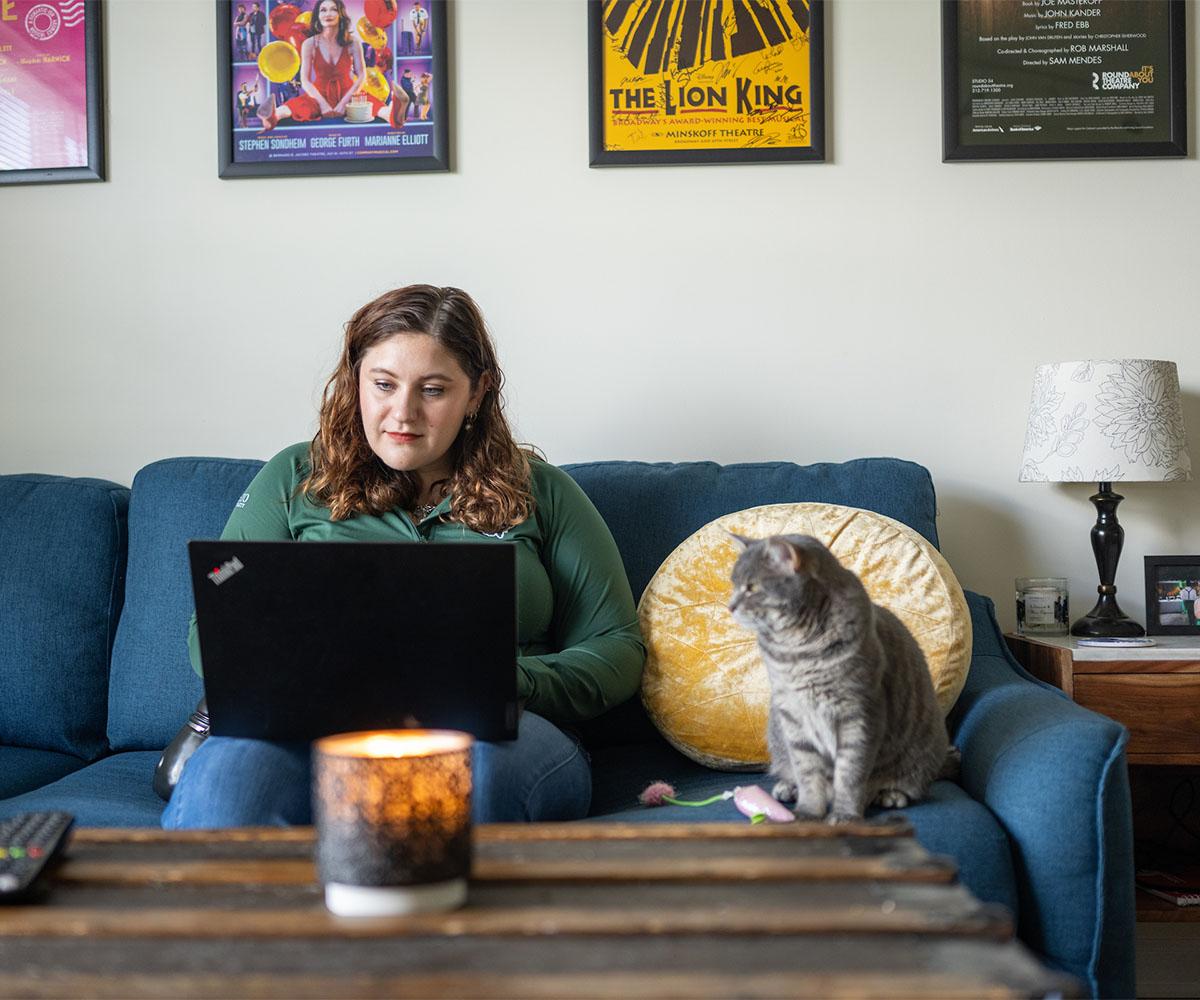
{"points": [[705, 686]]}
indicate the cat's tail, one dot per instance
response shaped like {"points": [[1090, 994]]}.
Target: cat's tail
{"points": [[951, 766]]}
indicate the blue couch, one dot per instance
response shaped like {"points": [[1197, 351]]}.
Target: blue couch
{"points": [[95, 681]]}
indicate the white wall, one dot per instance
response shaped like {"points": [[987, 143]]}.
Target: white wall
{"points": [[882, 303]]}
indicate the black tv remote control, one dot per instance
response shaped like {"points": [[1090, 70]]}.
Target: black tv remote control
{"points": [[28, 842]]}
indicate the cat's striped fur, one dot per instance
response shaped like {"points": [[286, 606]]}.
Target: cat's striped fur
{"points": [[853, 718]]}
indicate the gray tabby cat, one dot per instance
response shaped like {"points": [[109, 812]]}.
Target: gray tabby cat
{"points": [[853, 718]]}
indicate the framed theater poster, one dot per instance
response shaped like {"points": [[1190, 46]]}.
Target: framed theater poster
{"points": [[51, 96], [1063, 79], [706, 81], [331, 87]]}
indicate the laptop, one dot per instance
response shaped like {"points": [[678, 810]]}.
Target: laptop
{"points": [[303, 639]]}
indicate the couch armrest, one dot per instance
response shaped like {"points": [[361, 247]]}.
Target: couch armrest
{"points": [[1054, 774]]}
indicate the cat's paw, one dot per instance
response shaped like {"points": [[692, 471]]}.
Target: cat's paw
{"points": [[784, 791], [841, 819], [891, 798]]}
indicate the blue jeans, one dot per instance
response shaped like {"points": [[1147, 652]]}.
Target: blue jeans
{"points": [[541, 775]]}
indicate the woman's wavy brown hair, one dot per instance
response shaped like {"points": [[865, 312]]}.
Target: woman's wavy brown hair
{"points": [[490, 484]]}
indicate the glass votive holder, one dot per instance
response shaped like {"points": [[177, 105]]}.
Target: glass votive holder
{"points": [[1042, 605], [392, 810]]}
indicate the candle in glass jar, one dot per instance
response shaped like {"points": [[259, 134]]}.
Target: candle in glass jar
{"points": [[1042, 605], [393, 815]]}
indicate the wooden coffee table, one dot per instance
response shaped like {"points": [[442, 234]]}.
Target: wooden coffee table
{"points": [[555, 910]]}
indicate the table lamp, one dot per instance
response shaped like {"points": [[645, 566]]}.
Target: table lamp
{"points": [[1106, 422]]}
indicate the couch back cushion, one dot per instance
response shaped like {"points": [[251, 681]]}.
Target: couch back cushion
{"points": [[152, 687], [651, 507], [61, 582]]}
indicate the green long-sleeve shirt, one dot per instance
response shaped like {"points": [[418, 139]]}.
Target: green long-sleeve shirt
{"points": [[580, 651]]}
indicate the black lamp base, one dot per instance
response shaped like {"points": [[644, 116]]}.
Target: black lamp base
{"points": [[1096, 626], [1106, 620]]}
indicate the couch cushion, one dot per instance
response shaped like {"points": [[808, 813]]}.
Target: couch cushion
{"points": [[22, 769], [948, 822], [115, 791], [651, 507], [61, 583], [153, 687]]}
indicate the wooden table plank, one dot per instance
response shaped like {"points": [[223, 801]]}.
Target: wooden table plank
{"points": [[301, 872], [318, 923], [273, 860], [707, 894], [522, 909], [713, 965], [603, 986], [525, 832]]}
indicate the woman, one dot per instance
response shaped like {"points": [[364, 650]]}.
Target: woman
{"points": [[413, 445], [423, 96], [332, 71]]}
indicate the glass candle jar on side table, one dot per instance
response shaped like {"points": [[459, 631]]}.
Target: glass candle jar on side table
{"points": [[1042, 605]]}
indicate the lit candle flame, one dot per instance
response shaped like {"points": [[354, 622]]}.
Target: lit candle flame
{"points": [[395, 743]]}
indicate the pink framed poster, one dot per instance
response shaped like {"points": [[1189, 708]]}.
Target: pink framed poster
{"points": [[51, 104]]}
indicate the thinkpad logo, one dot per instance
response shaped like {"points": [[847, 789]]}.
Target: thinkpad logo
{"points": [[221, 573]]}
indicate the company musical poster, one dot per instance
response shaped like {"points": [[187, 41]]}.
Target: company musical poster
{"points": [[332, 86], [50, 101], [702, 81], [1063, 78]]}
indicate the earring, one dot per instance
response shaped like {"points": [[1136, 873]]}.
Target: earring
{"points": [[470, 421]]}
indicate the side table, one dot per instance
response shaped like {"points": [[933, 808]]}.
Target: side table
{"points": [[1154, 691]]}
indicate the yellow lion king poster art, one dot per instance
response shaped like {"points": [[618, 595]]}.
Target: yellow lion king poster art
{"points": [[676, 81]]}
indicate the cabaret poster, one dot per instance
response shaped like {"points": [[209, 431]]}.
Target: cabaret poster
{"points": [[1063, 78], [50, 99], [704, 81], [332, 86]]}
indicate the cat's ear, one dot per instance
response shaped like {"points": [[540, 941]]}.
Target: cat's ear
{"points": [[787, 555], [742, 543]]}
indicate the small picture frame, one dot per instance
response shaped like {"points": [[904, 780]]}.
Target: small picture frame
{"points": [[1172, 595]]}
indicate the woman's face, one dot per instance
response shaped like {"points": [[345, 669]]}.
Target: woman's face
{"points": [[328, 13], [413, 397]]}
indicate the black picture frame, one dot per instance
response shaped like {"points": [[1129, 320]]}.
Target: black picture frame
{"points": [[94, 169], [1171, 571], [599, 156], [437, 160], [954, 149]]}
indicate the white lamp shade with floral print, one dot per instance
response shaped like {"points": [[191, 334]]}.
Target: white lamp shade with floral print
{"points": [[1105, 421]]}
